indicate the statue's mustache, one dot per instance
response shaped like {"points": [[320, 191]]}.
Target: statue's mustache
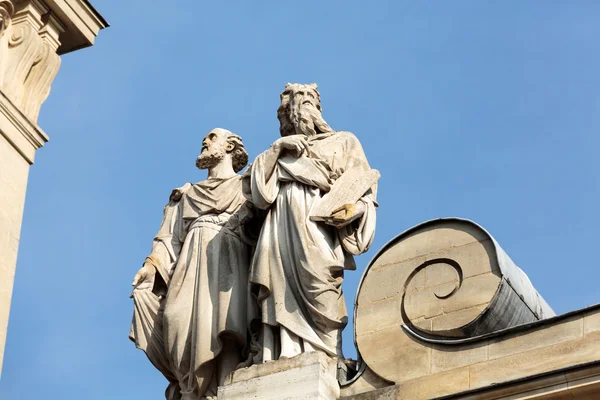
{"points": [[307, 119]]}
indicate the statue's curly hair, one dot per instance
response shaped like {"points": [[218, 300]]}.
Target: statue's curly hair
{"points": [[239, 155]]}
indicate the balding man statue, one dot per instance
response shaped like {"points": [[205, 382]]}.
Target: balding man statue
{"points": [[300, 258], [191, 297]]}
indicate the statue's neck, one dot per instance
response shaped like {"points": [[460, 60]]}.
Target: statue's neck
{"points": [[223, 170]]}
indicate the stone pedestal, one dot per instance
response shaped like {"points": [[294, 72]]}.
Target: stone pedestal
{"points": [[307, 376]]}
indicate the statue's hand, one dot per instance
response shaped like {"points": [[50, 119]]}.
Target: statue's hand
{"points": [[144, 279], [296, 144], [345, 214]]}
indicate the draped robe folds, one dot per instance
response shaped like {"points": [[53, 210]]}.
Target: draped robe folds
{"points": [[202, 255], [298, 263]]}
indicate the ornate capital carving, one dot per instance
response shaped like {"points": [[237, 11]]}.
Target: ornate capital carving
{"points": [[7, 10], [28, 59]]}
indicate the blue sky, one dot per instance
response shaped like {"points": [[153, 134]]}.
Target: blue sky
{"points": [[478, 109]]}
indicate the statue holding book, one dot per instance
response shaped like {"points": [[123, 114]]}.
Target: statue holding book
{"points": [[320, 197]]}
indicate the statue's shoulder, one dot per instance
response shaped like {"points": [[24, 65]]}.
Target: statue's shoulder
{"points": [[348, 137], [178, 193]]}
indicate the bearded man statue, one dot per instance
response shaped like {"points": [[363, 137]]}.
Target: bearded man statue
{"points": [[299, 263], [192, 300]]}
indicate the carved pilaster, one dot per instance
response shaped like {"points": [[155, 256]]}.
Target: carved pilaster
{"points": [[33, 35]]}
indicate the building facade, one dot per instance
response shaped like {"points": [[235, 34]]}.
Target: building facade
{"points": [[34, 34]]}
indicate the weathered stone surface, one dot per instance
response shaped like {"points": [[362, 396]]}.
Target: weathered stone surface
{"points": [[401, 357], [550, 386], [388, 393], [444, 358], [441, 235], [379, 315], [14, 170], [298, 262], [536, 361], [201, 250], [347, 189], [581, 383], [584, 383], [420, 389], [520, 343], [368, 381], [390, 280], [449, 322], [306, 376], [567, 367], [444, 279], [454, 381], [591, 322], [475, 291], [31, 32]]}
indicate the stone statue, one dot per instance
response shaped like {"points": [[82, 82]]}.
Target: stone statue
{"points": [[192, 299], [299, 262]]}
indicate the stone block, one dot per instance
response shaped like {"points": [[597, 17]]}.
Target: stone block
{"points": [[474, 291], [421, 389], [522, 342], [377, 316], [433, 386], [536, 361], [591, 322], [474, 258], [383, 283], [389, 280], [393, 351], [14, 170], [446, 234], [455, 311], [439, 274], [453, 320], [592, 371], [367, 382], [522, 390], [445, 358], [584, 384], [388, 393], [306, 376]]}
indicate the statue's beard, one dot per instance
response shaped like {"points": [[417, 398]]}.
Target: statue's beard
{"points": [[209, 158], [286, 128], [307, 120]]}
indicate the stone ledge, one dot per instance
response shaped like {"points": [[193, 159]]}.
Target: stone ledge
{"points": [[273, 367], [82, 23], [306, 376], [25, 136], [578, 382]]}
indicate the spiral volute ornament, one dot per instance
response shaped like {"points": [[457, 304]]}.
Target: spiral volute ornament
{"points": [[6, 12], [443, 281]]}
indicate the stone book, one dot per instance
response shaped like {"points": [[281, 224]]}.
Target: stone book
{"points": [[347, 189]]}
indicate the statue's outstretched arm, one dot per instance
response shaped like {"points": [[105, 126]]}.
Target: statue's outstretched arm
{"points": [[166, 246]]}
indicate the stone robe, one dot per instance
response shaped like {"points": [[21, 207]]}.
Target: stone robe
{"points": [[202, 256], [299, 264]]}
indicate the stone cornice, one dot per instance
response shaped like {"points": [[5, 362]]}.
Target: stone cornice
{"points": [[25, 136], [82, 23]]}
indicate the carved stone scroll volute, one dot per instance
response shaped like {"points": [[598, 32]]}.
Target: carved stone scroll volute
{"points": [[43, 72], [6, 11]]}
